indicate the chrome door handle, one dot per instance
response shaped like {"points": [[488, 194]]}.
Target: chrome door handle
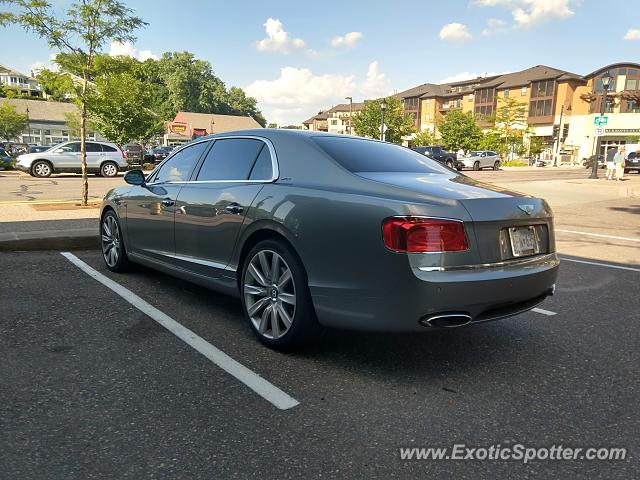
{"points": [[234, 208], [167, 202]]}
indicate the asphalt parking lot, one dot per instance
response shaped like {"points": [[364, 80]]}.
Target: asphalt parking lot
{"points": [[92, 387]]}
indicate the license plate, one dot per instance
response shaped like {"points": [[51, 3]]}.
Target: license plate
{"points": [[524, 241]]}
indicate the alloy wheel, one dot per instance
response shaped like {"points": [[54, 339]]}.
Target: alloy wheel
{"points": [[110, 240], [42, 169], [109, 170], [269, 294]]}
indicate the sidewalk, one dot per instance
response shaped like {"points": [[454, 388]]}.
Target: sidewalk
{"points": [[24, 228]]}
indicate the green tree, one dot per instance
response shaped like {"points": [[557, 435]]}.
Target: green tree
{"points": [[510, 126], [86, 27], [535, 145], [119, 109], [459, 130], [12, 123], [367, 121], [272, 125], [241, 104], [423, 138], [57, 85]]}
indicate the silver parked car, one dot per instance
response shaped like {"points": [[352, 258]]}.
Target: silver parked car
{"points": [[314, 229], [479, 159], [103, 158]]}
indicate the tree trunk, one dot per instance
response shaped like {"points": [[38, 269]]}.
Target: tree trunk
{"points": [[83, 141]]}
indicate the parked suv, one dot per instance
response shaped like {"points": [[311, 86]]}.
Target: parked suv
{"points": [[441, 155], [632, 163], [134, 153], [104, 159]]}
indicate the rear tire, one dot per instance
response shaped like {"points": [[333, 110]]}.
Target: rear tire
{"points": [[41, 169], [449, 163], [113, 250], [109, 169], [496, 165], [476, 166], [275, 296]]}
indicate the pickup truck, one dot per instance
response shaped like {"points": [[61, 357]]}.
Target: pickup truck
{"points": [[441, 155]]}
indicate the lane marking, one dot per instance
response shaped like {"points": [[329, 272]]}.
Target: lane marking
{"points": [[39, 202], [600, 264], [628, 239], [255, 382], [548, 313]]}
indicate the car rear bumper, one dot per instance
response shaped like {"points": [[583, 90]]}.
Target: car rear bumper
{"points": [[482, 292]]}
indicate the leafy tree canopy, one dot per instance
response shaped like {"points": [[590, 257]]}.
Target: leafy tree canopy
{"points": [[12, 123], [459, 130], [367, 121]]}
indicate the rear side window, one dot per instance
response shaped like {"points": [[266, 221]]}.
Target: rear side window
{"points": [[359, 155], [179, 167], [108, 148], [263, 168], [230, 159], [93, 147]]}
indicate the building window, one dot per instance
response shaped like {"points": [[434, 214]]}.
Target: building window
{"points": [[632, 106], [47, 132], [544, 88], [470, 97], [541, 108], [523, 92], [506, 93], [632, 85]]}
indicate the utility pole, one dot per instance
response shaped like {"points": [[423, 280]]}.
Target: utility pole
{"points": [[606, 81], [383, 107], [350, 113], [557, 152]]}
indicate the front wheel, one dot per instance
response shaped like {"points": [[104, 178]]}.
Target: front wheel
{"points": [[496, 165], [275, 297], [476, 166], [113, 251], [41, 169], [449, 163]]}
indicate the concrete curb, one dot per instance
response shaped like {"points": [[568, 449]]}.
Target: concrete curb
{"points": [[80, 239]]}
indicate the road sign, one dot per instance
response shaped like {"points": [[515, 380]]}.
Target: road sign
{"points": [[601, 120], [598, 131]]}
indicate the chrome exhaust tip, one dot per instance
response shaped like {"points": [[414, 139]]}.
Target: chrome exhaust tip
{"points": [[446, 320]]}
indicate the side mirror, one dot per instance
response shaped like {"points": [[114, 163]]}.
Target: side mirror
{"points": [[134, 177]]}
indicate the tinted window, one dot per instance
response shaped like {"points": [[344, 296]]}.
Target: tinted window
{"points": [[358, 155], [230, 159], [108, 148], [93, 147], [262, 169], [178, 168]]}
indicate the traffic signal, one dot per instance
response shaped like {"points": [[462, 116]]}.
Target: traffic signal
{"points": [[565, 130], [556, 130]]}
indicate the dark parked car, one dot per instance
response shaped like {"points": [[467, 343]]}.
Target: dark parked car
{"points": [[134, 153], [441, 155], [39, 148], [588, 162], [5, 159], [314, 229], [157, 154], [632, 164]]}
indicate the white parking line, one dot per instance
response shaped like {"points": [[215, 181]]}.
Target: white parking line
{"points": [[255, 382], [628, 239], [548, 313], [600, 264]]}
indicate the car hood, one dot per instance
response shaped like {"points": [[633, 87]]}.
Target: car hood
{"points": [[449, 186]]}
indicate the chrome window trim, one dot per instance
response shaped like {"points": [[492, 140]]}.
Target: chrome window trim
{"points": [[480, 266], [272, 151]]}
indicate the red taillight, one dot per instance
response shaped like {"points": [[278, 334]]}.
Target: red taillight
{"points": [[416, 234]]}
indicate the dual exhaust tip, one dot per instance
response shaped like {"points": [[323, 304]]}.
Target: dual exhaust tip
{"points": [[446, 320]]}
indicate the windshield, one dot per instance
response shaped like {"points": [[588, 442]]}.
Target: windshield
{"points": [[360, 155]]}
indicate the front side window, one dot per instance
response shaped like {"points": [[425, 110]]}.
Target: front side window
{"points": [[70, 147], [179, 166], [231, 159]]}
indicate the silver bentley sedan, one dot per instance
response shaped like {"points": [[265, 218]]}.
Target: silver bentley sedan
{"points": [[314, 230]]}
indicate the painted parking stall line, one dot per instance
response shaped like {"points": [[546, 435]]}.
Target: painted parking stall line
{"points": [[613, 237], [600, 264], [255, 382], [542, 311]]}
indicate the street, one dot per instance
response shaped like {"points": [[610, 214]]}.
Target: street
{"points": [[92, 387]]}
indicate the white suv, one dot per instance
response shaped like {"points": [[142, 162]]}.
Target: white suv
{"points": [[104, 159]]}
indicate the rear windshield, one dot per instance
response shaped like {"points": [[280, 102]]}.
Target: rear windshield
{"points": [[359, 156]]}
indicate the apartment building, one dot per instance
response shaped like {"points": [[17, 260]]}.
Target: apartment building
{"points": [[337, 119], [317, 123], [547, 94], [21, 83]]}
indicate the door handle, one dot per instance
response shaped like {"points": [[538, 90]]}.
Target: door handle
{"points": [[167, 202], [234, 208]]}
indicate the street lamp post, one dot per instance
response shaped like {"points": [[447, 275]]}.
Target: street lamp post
{"points": [[606, 81], [350, 112], [28, 125], [383, 107]]}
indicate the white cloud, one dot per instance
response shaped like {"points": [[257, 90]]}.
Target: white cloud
{"points": [[529, 13], [298, 93], [632, 34], [278, 40], [128, 50], [348, 40], [455, 32], [494, 27], [462, 76]]}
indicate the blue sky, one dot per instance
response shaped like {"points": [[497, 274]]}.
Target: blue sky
{"points": [[303, 60]]}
